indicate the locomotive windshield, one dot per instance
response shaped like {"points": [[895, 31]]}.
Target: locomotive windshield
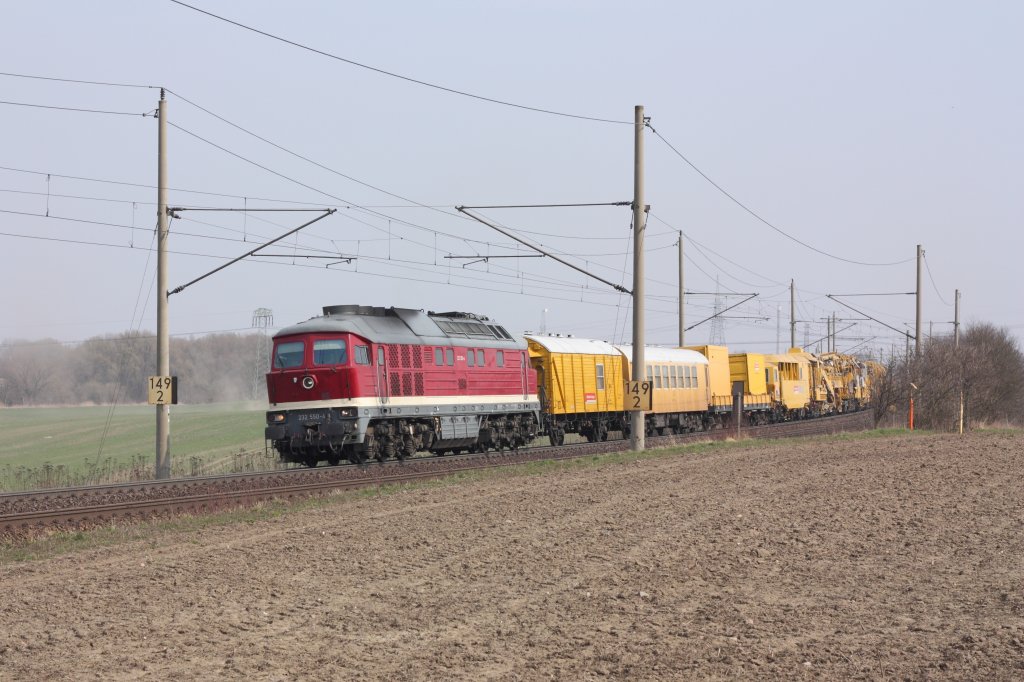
{"points": [[289, 354], [329, 352]]}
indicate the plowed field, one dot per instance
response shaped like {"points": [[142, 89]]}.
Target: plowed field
{"points": [[886, 557]]}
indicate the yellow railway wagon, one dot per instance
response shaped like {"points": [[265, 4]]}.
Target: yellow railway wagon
{"points": [[577, 375], [579, 382], [821, 394], [792, 380], [849, 377], [681, 394], [751, 370], [718, 376]]}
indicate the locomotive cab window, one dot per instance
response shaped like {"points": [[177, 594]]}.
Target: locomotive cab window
{"points": [[439, 357], [480, 358], [329, 352], [600, 376], [470, 358], [499, 357], [362, 355], [449, 355], [288, 355]]}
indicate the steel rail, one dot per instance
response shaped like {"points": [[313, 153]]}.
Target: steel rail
{"points": [[75, 507]]}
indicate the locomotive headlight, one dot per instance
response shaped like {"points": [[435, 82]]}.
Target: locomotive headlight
{"points": [[275, 417], [308, 382], [347, 412]]}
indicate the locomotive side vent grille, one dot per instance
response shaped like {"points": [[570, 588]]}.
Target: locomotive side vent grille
{"points": [[396, 384], [419, 383], [417, 358], [406, 352], [393, 356], [406, 383]]}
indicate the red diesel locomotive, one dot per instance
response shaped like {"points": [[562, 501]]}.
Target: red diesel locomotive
{"points": [[365, 382]]}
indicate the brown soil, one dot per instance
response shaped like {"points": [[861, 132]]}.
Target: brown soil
{"points": [[875, 558]]}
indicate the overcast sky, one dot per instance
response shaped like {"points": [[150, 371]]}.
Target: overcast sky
{"points": [[857, 129]]}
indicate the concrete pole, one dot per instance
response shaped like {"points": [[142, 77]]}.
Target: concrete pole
{"points": [[833, 332], [956, 345], [792, 314], [637, 434], [163, 412], [778, 329], [682, 314], [956, 319], [917, 328]]}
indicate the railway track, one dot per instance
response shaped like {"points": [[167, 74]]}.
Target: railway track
{"points": [[25, 513]]}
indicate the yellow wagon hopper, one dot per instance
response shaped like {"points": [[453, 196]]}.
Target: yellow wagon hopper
{"points": [[749, 374], [580, 386], [681, 393]]}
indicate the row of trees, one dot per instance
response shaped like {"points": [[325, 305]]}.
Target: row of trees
{"points": [[987, 367], [102, 370]]}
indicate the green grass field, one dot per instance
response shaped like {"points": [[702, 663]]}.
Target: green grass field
{"points": [[71, 445]]}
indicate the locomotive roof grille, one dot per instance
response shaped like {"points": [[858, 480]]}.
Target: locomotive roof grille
{"points": [[474, 330]]}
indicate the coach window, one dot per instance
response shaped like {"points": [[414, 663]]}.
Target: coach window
{"points": [[449, 354], [470, 357], [600, 376], [499, 358], [329, 352], [673, 376], [362, 355], [289, 354], [480, 358], [657, 376]]}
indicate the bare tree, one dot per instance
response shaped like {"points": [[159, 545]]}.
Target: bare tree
{"points": [[988, 367]]}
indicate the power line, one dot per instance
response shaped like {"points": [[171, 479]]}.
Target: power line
{"points": [[929, 269], [541, 281], [72, 80], [701, 248], [758, 217], [397, 75], [172, 189], [75, 109], [305, 158]]}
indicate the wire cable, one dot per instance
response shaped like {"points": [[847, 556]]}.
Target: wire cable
{"points": [[929, 270], [758, 217], [75, 109], [397, 75], [72, 80]]}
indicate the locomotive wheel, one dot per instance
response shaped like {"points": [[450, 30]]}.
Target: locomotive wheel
{"points": [[311, 460], [334, 459], [558, 437]]}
